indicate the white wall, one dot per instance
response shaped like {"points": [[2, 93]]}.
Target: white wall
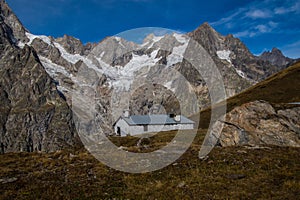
{"points": [[136, 130], [124, 127]]}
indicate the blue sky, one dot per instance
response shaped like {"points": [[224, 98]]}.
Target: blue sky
{"points": [[261, 25]]}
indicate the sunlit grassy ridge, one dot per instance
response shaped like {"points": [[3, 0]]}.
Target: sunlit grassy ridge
{"points": [[281, 88]]}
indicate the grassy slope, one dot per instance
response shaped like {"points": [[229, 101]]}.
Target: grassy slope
{"points": [[235, 173], [283, 87]]}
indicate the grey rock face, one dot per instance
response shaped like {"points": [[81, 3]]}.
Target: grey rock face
{"points": [[275, 57], [253, 68], [52, 53], [259, 123], [34, 116], [121, 67], [114, 48], [13, 22], [74, 46]]}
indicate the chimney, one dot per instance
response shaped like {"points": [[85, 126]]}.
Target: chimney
{"points": [[126, 113], [177, 118], [171, 115]]}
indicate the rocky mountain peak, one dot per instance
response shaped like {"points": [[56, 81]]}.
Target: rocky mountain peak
{"points": [[275, 57], [13, 22], [149, 38], [213, 41], [275, 50], [206, 30], [111, 48], [206, 27], [72, 45], [208, 37]]}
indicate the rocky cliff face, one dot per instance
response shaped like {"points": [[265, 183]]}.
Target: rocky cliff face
{"points": [[275, 57], [259, 123], [235, 54], [13, 22], [122, 66], [34, 115], [152, 75], [74, 46]]}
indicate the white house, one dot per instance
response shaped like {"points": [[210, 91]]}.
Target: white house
{"points": [[139, 124]]}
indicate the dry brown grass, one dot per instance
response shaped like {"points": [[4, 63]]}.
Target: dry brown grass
{"points": [[283, 87], [228, 173]]}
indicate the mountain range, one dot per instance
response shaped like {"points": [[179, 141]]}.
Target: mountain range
{"points": [[39, 76]]}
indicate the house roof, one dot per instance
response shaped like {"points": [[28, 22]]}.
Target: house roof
{"points": [[155, 120]]}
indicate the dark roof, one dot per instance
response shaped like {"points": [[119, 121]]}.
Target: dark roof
{"points": [[155, 120]]}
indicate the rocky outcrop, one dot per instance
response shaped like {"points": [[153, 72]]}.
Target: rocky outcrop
{"points": [[34, 115], [260, 123], [275, 57], [52, 53], [13, 22], [74, 46], [253, 68]]}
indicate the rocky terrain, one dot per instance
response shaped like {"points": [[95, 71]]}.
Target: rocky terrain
{"points": [[34, 114], [266, 113], [259, 123], [123, 66], [153, 75], [275, 57]]}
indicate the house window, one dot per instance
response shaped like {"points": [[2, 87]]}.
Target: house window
{"points": [[145, 128]]}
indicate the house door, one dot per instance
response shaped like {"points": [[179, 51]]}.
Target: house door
{"points": [[118, 131]]}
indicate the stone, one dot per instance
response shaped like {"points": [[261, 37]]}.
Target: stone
{"points": [[261, 125]]}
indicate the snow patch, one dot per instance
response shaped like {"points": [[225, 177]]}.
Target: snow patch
{"points": [[21, 44], [120, 78], [177, 54], [157, 38], [154, 40], [224, 55], [240, 73], [169, 86], [111, 72], [119, 40], [44, 38], [62, 89], [145, 44], [76, 57], [137, 62], [53, 69], [154, 54], [67, 56], [180, 38], [125, 75], [101, 55]]}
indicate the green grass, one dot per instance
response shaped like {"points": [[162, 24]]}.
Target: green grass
{"points": [[228, 173]]}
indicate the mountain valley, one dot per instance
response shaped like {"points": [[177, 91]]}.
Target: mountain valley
{"points": [[47, 84]]}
